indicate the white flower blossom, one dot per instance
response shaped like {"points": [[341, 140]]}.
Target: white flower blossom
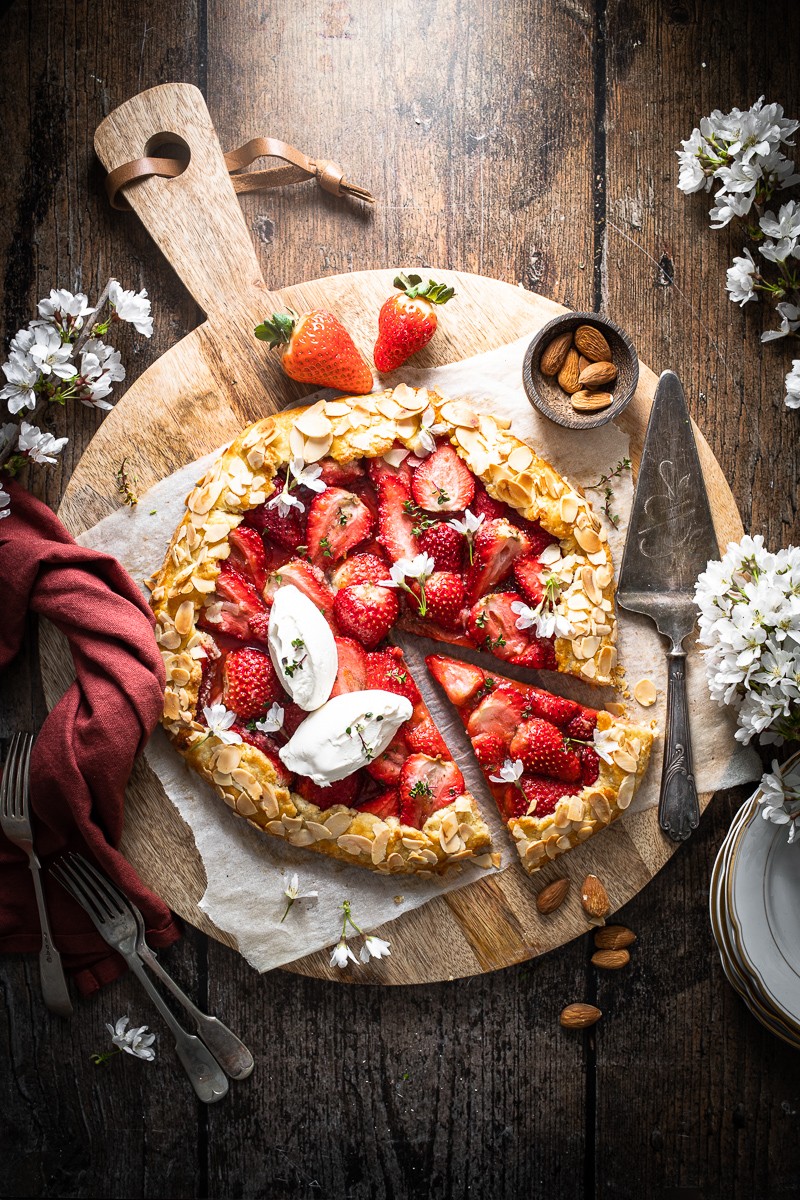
{"points": [[786, 224], [219, 720], [273, 719], [374, 947], [100, 367], [426, 438], [421, 567], [729, 205], [138, 1042], [285, 502], [5, 501], [790, 322], [133, 307], [50, 354], [307, 476], [22, 375], [778, 252], [604, 743], [61, 303], [792, 397], [7, 434], [342, 954], [39, 446], [741, 279], [510, 772], [691, 176], [292, 892], [471, 523], [780, 798]]}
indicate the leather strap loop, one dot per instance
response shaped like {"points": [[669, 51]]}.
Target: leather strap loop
{"points": [[329, 175]]}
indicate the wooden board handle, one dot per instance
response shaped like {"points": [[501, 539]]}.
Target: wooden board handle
{"points": [[195, 219]]}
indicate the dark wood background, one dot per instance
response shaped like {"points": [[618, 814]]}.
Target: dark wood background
{"points": [[531, 140]]}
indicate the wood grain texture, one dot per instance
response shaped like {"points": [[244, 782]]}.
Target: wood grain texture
{"points": [[678, 1092]]}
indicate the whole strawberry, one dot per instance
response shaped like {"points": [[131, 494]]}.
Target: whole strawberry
{"points": [[407, 321], [250, 683], [317, 349]]}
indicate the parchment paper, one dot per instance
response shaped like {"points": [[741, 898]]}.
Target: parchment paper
{"points": [[247, 871]]}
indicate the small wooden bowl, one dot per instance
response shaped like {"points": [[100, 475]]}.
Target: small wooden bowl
{"points": [[545, 393]]}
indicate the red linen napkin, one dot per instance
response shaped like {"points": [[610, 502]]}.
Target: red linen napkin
{"points": [[85, 750]]}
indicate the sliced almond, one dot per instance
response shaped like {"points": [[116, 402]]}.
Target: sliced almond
{"points": [[644, 692], [588, 540], [520, 458], [184, 617]]}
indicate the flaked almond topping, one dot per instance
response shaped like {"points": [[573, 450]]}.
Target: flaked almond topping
{"points": [[313, 423], [644, 692], [626, 790], [302, 838], [521, 458], [588, 540], [459, 413], [316, 448], [184, 617], [354, 843]]}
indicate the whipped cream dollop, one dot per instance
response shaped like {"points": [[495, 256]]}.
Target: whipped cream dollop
{"points": [[302, 648], [346, 733]]}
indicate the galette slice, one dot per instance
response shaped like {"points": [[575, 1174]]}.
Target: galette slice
{"points": [[559, 771]]}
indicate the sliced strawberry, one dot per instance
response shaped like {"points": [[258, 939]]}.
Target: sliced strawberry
{"points": [[541, 747], [499, 713], [395, 509], [288, 532], [210, 690], [460, 680], [530, 577], [384, 805], [247, 555], [555, 709], [497, 544], [590, 765], [366, 612], [445, 546], [443, 482], [337, 474], [259, 627], [582, 725], [485, 505], [546, 793], [490, 750], [427, 784], [337, 522], [269, 748], [539, 656], [361, 568], [240, 600], [492, 624], [306, 578], [250, 683], [293, 717], [388, 765], [387, 671], [343, 791], [424, 738], [352, 673], [537, 536]]}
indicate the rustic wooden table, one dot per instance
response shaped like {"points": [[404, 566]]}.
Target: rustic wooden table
{"points": [[531, 140]]}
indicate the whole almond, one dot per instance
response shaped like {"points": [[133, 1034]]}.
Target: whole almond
{"points": [[579, 1016], [614, 937], [582, 363], [611, 960], [594, 899], [585, 401], [554, 353], [597, 375], [552, 897], [568, 375], [592, 344]]}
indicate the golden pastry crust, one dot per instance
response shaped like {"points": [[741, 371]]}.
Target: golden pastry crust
{"points": [[241, 479], [576, 818]]}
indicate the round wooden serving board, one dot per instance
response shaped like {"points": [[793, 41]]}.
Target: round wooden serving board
{"points": [[202, 392]]}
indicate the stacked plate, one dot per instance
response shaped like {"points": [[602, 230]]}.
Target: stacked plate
{"points": [[755, 916]]}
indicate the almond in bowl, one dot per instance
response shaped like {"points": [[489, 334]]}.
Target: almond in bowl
{"points": [[580, 370]]}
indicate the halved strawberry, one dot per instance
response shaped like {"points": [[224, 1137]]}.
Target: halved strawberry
{"points": [[590, 765], [269, 748], [558, 710], [288, 531], [497, 544], [247, 555], [445, 546], [499, 713], [539, 656], [443, 482], [543, 751], [582, 725], [343, 791], [361, 568], [352, 673], [210, 690], [546, 793], [460, 680], [338, 474], [366, 612], [486, 505], [427, 784], [241, 601], [387, 766], [444, 598], [424, 738], [387, 671], [386, 804], [492, 624], [250, 682], [538, 537], [259, 627], [395, 514], [337, 522], [293, 717], [306, 578], [490, 750], [530, 577]]}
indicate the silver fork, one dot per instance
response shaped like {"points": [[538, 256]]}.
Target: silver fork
{"points": [[15, 821], [117, 924]]}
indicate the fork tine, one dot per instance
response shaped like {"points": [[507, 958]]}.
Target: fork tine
{"points": [[24, 786], [114, 901], [64, 873], [7, 792]]}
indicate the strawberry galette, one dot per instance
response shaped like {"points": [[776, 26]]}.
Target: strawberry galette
{"points": [[315, 534], [558, 770]]}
